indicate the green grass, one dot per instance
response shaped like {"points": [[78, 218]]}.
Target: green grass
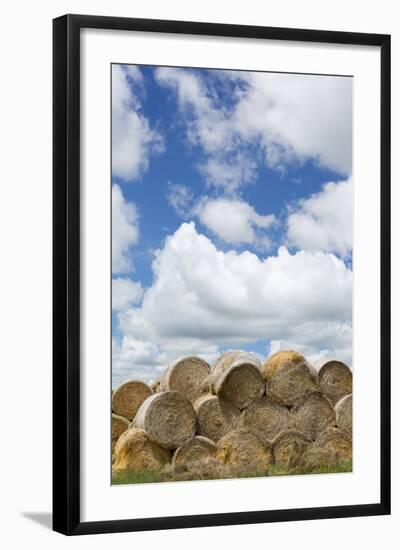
{"points": [[136, 476], [153, 476]]}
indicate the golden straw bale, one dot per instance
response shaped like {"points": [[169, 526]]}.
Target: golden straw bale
{"points": [[265, 418], [135, 451], [245, 451], [335, 379], [128, 397], [168, 418], [279, 360], [237, 378], [215, 416], [312, 415], [344, 414], [193, 451], [225, 360], [289, 378], [118, 425], [186, 375], [288, 447], [337, 442]]}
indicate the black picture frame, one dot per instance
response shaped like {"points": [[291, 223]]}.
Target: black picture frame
{"points": [[66, 273]]}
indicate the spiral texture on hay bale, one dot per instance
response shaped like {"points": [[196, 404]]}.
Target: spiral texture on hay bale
{"points": [[186, 375], [265, 418], [314, 457], [312, 415], [128, 397], [288, 447], [289, 378], [237, 378], [215, 416], [335, 379], [135, 451], [336, 442], [119, 424], [344, 414], [245, 451], [193, 451], [168, 418]]}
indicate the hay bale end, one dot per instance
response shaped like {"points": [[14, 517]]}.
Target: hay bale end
{"points": [[168, 418], [335, 379], [194, 451], [265, 418], [215, 416], [135, 451], [187, 376], [128, 397], [344, 414], [237, 378], [312, 415]]}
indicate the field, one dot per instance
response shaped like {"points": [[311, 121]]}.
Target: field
{"points": [[154, 476]]}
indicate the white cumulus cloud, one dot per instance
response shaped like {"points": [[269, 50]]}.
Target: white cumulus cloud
{"points": [[146, 360], [305, 116], [125, 293], [229, 171], [125, 231], [324, 221], [234, 221], [288, 117], [133, 140], [203, 298], [209, 126]]}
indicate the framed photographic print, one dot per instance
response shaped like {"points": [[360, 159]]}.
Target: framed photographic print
{"points": [[221, 274]]}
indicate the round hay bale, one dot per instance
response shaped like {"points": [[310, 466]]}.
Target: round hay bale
{"points": [[344, 414], [168, 418], [244, 451], [335, 379], [314, 457], [237, 378], [193, 451], [225, 360], [119, 424], [288, 447], [135, 451], [215, 416], [289, 378], [280, 360], [265, 418], [336, 442], [186, 375], [228, 358], [128, 397], [312, 415]]}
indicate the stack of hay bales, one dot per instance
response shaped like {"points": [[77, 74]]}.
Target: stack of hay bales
{"points": [[238, 417]]}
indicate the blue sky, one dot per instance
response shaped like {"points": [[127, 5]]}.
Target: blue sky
{"points": [[233, 169]]}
